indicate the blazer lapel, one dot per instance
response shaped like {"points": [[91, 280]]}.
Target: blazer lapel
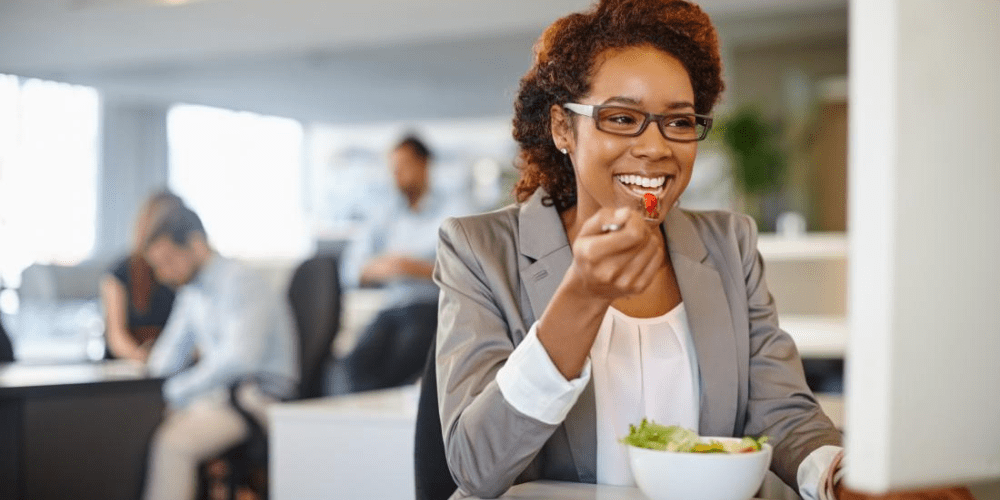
{"points": [[548, 255], [711, 324]]}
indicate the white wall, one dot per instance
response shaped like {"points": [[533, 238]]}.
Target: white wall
{"points": [[923, 378]]}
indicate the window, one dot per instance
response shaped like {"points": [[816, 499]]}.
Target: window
{"points": [[48, 174], [242, 173]]}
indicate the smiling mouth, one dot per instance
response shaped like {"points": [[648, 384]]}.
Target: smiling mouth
{"points": [[639, 185]]}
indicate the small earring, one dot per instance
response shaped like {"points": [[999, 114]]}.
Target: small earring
{"points": [[563, 150], [567, 164]]}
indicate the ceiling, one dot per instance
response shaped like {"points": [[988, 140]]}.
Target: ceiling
{"points": [[327, 60]]}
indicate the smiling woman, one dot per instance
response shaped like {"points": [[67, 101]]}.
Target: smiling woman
{"points": [[576, 312]]}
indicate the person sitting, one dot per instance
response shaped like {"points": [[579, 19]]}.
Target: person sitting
{"points": [[583, 308], [136, 305], [242, 331], [398, 252]]}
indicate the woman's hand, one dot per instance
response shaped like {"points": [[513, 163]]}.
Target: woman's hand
{"points": [[614, 264], [606, 265]]}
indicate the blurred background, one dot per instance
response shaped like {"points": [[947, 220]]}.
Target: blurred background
{"points": [[273, 119]]}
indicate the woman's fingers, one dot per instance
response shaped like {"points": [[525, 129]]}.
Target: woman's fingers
{"points": [[642, 269], [619, 261], [608, 233], [604, 217]]}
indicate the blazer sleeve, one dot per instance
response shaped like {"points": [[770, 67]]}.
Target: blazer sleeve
{"points": [[488, 443], [780, 404]]}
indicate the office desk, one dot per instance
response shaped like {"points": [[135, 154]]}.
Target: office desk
{"points": [[75, 431], [344, 447], [556, 490]]}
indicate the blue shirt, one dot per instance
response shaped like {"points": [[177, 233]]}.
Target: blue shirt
{"points": [[402, 230], [240, 328]]}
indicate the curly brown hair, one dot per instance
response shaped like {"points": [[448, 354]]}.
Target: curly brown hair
{"points": [[564, 64]]}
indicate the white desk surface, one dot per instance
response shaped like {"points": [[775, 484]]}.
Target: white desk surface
{"points": [[557, 490], [389, 404], [817, 336], [26, 374]]}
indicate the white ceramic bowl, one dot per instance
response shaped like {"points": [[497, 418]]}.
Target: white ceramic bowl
{"points": [[670, 475]]}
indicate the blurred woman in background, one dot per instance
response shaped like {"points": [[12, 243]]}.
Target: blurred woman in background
{"points": [[136, 306]]}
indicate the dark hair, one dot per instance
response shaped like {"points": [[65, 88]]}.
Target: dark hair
{"points": [[564, 66], [178, 223], [416, 145]]}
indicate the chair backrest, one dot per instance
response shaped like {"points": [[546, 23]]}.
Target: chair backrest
{"points": [[6, 349], [431, 474], [314, 294]]}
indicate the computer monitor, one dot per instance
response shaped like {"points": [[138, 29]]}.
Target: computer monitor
{"points": [[923, 364]]}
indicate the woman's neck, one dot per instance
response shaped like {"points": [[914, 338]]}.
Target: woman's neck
{"points": [[569, 223]]}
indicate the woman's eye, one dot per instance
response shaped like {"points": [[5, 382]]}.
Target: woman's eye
{"points": [[621, 119], [681, 122]]}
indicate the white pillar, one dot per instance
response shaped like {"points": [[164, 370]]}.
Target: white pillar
{"points": [[134, 165], [923, 374]]}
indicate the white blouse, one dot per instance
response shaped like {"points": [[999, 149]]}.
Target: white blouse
{"points": [[641, 368]]}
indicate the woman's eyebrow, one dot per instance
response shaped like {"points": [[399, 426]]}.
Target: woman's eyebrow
{"points": [[636, 102], [623, 100]]}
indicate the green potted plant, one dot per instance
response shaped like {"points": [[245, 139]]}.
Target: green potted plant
{"points": [[758, 163]]}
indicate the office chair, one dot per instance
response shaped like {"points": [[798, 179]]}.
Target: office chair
{"points": [[431, 474], [6, 348], [314, 296]]}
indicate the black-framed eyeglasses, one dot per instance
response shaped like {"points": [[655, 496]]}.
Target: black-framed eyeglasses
{"points": [[630, 122]]}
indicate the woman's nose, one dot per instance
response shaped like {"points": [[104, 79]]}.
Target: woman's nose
{"points": [[652, 145]]}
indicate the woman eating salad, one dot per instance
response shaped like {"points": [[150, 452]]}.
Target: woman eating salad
{"points": [[587, 307]]}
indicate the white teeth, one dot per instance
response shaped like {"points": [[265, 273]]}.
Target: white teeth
{"points": [[646, 182]]}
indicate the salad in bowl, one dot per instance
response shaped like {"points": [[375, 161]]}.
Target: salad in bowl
{"points": [[674, 463]]}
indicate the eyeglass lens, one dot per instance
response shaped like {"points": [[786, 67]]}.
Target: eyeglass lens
{"points": [[627, 121]]}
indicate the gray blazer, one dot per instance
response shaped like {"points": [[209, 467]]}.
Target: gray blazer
{"points": [[498, 272]]}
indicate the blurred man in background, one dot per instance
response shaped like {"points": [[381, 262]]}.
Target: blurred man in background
{"points": [[243, 334], [398, 252]]}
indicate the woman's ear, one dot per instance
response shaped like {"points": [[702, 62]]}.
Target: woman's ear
{"points": [[562, 129]]}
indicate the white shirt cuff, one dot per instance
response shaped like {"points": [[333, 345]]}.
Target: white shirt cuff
{"points": [[532, 384], [814, 470]]}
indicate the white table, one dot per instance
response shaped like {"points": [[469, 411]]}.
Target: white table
{"points": [[348, 447], [817, 337], [556, 490]]}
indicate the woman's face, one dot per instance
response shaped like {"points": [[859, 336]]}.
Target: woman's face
{"points": [[610, 169]]}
